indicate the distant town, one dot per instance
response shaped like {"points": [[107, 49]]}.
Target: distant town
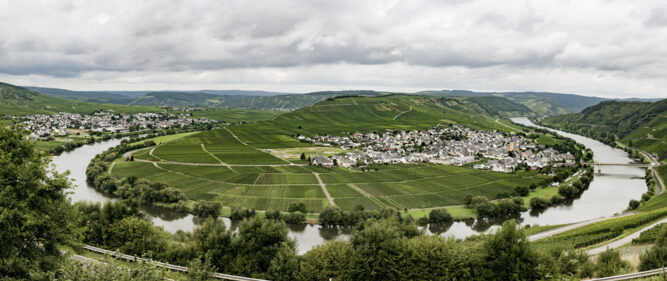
{"points": [[455, 145], [63, 123]]}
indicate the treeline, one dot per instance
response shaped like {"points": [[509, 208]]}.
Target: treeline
{"points": [[37, 221], [566, 192], [141, 191], [105, 136], [387, 248], [650, 192]]}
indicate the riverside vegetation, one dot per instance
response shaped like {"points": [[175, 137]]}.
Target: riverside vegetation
{"points": [[389, 247], [238, 166]]}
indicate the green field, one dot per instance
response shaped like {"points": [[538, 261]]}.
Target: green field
{"points": [[231, 115], [256, 165], [167, 138], [600, 232]]}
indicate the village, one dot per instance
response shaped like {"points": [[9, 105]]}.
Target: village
{"points": [[63, 123], [454, 145]]}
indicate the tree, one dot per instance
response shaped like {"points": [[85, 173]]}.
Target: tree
{"points": [[508, 255], [440, 216], [136, 236], [656, 256], [539, 203], [205, 209], [303, 156], [297, 207], [284, 266], [522, 190], [36, 215], [329, 260], [212, 240], [377, 252], [259, 241], [200, 271], [633, 204], [610, 263], [331, 216]]}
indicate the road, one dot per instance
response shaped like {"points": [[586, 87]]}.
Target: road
{"points": [[559, 230], [508, 126], [623, 241], [324, 189]]}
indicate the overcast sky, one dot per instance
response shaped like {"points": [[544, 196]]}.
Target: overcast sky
{"points": [[593, 47]]}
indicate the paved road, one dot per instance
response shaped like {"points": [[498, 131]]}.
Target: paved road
{"points": [[324, 189], [624, 240], [508, 126], [560, 230]]}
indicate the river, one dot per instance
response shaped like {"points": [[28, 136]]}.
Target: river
{"points": [[609, 193]]}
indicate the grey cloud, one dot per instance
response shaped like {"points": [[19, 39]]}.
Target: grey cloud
{"points": [[71, 38]]}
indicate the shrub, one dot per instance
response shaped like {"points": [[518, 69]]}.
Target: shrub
{"points": [[539, 203], [440, 216], [205, 209], [297, 207], [610, 263], [522, 190], [633, 204]]}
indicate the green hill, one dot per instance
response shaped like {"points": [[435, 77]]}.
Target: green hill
{"points": [[641, 124], [21, 101], [258, 165], [336, 116], [542, 103], [276, 102]]}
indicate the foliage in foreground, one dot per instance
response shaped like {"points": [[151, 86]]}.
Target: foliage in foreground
{"points": [[35, 214]]}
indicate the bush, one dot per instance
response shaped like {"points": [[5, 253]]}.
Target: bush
{"points": [[539, 203], [557, 199], [297, 207], [205, 209], [655, 257], [633, 204], [440, 216], [295, 218], [610, 263], [522, 190]]}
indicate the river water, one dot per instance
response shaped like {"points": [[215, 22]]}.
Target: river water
{"points": [[609, 193]]}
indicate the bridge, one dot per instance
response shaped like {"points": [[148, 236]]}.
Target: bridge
{"points": [[640, 165]]}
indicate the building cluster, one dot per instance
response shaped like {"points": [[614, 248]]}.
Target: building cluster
{"points": [[59, 124], [455, 145]]}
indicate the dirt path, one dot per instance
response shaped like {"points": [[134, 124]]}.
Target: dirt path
{"points": [[237, 138], [324, 189], [404, 112], [508, 126], [203, 147], [624, 240]]}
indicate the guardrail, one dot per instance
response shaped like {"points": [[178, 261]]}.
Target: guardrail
{"points": [[635, 275], [166, 265]]}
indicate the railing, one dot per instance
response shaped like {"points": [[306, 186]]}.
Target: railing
{"points": [[635, 275], [166, 265]]}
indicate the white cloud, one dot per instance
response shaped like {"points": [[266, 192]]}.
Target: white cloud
{"points": [[606, 48]]}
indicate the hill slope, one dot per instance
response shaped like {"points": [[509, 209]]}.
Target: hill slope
{"points": [[367, 114], [16, 100], [277, 102], [641, 124], [543, 103]]}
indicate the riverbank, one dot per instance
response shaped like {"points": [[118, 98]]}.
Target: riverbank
{"points": [[608, 194]]}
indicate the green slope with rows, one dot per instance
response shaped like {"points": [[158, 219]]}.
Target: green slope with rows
{"points": [[239, 167], [640, 124]]}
